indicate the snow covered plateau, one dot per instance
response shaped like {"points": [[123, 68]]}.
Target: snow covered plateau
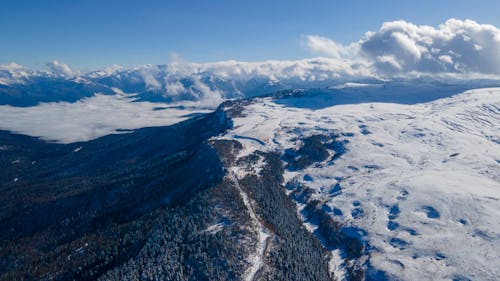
{"points": [[408, 176], [419, 183]]}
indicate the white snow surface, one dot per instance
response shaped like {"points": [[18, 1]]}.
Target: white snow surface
{"points": [[423, 180]]}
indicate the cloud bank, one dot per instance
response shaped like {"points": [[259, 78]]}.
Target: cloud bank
{"points": [[313, 69], [91, 117], [400, 48], [211, 83]]}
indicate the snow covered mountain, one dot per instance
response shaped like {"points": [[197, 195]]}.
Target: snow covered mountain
{"points": [[377, 160], [356, 181], [418, 185], [209, 83]]}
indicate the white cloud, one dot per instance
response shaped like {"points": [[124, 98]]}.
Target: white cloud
{"points": [[455, 49], [150, 80], [12, 66], [325, 46], [175, 88], [90, 118], [13, 73], [205, 96], [304, 70], [60, 69], [446, 59], [400, 47], [388, 62]]}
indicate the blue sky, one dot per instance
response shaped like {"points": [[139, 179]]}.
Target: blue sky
{"points": [[92, 34]]}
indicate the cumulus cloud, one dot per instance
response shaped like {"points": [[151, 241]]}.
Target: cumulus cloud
{"points": [[400, 47], [60, 69], [12, 66], [322, 45], [456, 49], [13, 73]]}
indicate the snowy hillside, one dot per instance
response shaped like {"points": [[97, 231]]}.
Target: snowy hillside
{"points": [[358, 181], [417, 183]]}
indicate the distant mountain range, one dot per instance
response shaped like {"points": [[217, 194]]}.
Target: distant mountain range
{"points": [[207, 84]]}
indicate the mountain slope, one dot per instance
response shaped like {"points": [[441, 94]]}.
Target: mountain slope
{"points": [[417, 185], [75, 211], [355, 182], [153, 203]]}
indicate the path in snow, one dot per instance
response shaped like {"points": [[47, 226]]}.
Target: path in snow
{"points": [[257, 260]]}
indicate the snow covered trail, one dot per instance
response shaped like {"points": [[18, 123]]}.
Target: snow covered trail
{"points": [[421, 181], [256, 260]]}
